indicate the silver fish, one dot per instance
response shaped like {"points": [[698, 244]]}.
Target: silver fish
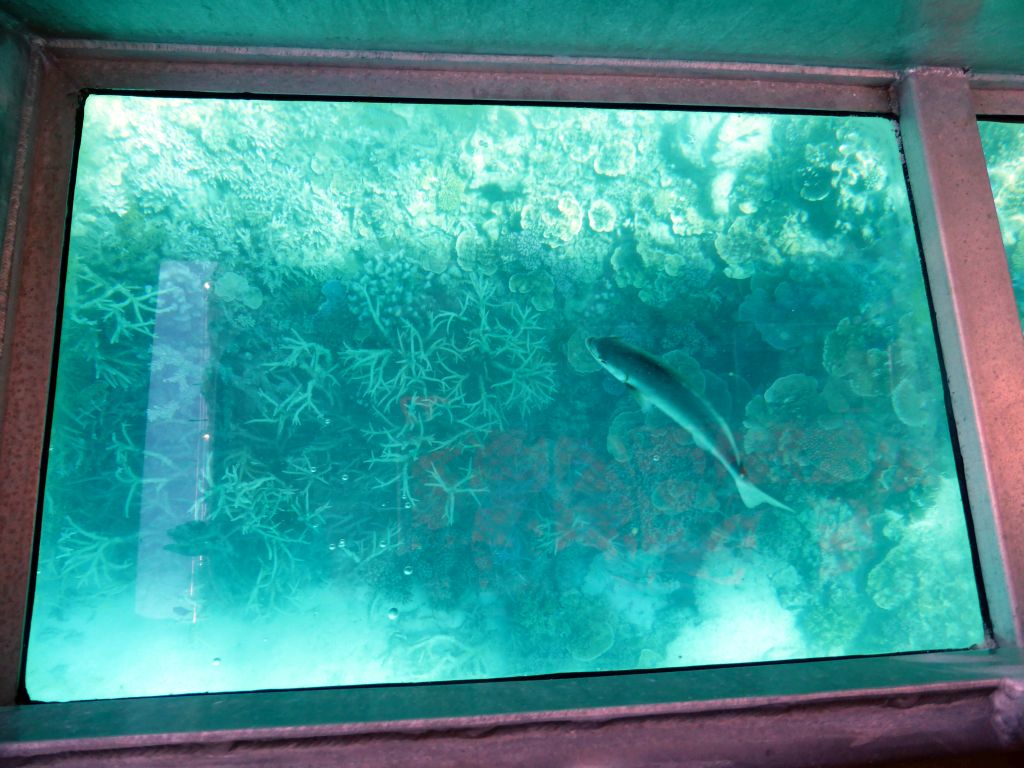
{"points": [[657, 385]]}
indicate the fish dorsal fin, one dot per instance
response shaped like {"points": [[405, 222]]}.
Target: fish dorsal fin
{"points": [[717, 395], [686, 369]]}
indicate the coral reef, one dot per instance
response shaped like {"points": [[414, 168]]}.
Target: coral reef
{"points": [[792, 424], [391, 401]]}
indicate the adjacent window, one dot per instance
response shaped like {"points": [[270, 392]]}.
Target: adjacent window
{"points": [[393, 392], [1003, 143]]}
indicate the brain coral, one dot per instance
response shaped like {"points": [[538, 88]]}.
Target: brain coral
{"points": [[590, 631], [841, 454]]}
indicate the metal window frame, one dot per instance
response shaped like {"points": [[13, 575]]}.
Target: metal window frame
{"points": [[794, 713]]}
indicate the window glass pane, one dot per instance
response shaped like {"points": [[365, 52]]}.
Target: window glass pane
{"points": [[1004, 153], [385, 392]]}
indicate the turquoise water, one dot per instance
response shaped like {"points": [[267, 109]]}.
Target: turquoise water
{"points": [[365, 392], [1004, 153]]}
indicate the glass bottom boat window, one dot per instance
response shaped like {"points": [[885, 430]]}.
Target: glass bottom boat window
{"points": [[356, 393]]}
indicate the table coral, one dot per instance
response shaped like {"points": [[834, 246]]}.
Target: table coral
{"points": [[537, 286], [747, 247], [602, 216], [615, 158], [555, 220], [849, 353]]}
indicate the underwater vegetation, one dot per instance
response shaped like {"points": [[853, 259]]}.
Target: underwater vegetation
{"points": [[338, 356]]}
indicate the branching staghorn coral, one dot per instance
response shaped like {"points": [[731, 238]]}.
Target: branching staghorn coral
{"points": [[298, 386], [279, 576], [259, 532], [555, 534], [461, 363], [450, 384], [365, 547], [126, 454], [92, 561], [445, 657], [124, 310], [452, 489], [249, 494]]}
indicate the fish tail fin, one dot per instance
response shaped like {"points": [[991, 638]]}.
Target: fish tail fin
{"points": [[753, 496]]}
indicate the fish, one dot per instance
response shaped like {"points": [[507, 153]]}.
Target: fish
{"points": [[656, 385]]}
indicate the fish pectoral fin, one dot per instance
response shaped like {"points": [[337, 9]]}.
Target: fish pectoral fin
{"points": [[645, 404]]}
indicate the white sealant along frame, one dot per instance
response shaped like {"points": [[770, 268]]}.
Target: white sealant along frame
{"points": [[789, 714]]}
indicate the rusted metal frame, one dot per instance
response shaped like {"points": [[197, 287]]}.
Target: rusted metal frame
{"points": [[999, 102], [478, 78], [40, 196], [16, 195], [372, 709], [998, 95], [383, 59], [976, 314], [795, 731]]}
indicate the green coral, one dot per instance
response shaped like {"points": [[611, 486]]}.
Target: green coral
{"points": [[928, 572], [594, 637], [451, 191], [830, 452], [663, 267], [556, 220], [917, 397], [836, 619], [849, 354], [581, 628], [476, 254], [537, 285], [747, 247], [791, 426], [615, 158], [232, 286], [602, 216]]}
